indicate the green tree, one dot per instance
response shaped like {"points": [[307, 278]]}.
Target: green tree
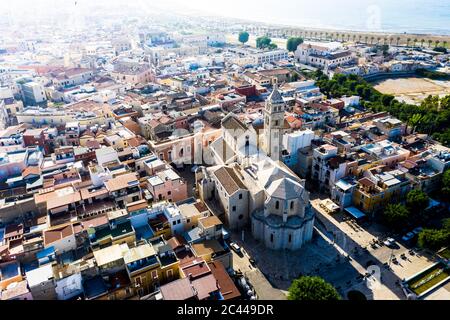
{"points": [[243, 37], [434, 239], [446, 183], [263, 42], [386, 99], [446, 224], [312, 289], [414, 121], [396, 216], [440, 49], [417, 201], [293, 43]]}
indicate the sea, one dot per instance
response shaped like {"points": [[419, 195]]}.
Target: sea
{"points": [[391, 16]]}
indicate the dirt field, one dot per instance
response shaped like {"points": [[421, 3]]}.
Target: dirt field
{"points": [[413, 90]]}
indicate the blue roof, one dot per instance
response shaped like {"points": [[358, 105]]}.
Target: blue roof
{"points": [[144, 232], [355, 213], [9, 270], [95, 287], [45, 253]]}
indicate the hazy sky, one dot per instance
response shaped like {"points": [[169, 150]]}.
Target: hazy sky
{"points": [[382, 15]]}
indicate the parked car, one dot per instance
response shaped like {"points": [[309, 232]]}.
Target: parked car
{"points": [[408, 237], [389, 242], [235, 247], [417, 230]]}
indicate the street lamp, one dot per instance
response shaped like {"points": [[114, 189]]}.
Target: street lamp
{"points": [[390, 258]]}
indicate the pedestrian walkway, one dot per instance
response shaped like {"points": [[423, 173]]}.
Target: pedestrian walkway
{"points": [[262, 286]]}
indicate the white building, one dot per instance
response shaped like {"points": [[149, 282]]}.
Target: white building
{"points": [[292, 142], [175, 219], [270, 56], [221, 184], [69, 287], [323, 54], [33, 94], [105, 155]]}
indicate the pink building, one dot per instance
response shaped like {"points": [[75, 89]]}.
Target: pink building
{"points": [[167, 185]]}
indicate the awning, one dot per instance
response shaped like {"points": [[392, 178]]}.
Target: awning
{"points": [[45, 253], [355, 213]]}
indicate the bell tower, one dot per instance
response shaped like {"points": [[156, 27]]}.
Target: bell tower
{"points": [[274, 124]]}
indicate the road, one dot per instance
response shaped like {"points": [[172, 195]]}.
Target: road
{"points": [[264, 289]]}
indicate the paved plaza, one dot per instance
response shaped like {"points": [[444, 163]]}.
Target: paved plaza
{"points": [[327, 256]]}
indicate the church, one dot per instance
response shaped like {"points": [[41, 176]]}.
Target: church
{"points": [[253, 186]]}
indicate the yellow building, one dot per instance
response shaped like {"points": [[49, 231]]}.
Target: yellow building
{"points": [[169, 263], [212, 250], [371, 197], [144, 268]]}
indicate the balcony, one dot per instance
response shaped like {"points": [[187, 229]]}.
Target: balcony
{"points": [[96, 208]]}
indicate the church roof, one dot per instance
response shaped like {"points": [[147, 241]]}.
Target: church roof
{"points": [[231, 122], [285, 189], [270, 171], [275, 96], [229, 180]]}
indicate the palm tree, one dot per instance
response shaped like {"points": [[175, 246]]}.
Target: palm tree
{"points": [[414, 121], [371, 39], [444, 44], [326, 35], [408, 41], [398, 40], [348, 37], [421, 42], [415, 41], [436, 43], [320, 35], [366, 39], [354, 38], [429, 43], [359, 37], [390, 41]]}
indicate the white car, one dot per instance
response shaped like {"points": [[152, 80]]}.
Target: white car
{"points": [[235, 247], [389, 242]]}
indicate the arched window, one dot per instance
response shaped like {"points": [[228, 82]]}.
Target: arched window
{"points": [[277, 204], [292, 205]]}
